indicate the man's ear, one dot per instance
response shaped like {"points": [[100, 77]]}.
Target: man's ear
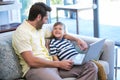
{"points": [[38, 17]]}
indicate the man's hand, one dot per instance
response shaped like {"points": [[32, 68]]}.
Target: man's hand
{"points": [[66, 64]]}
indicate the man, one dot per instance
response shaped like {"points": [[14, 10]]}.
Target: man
{"points": [[29, 44]]}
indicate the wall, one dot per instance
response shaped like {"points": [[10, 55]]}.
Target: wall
{"points": [[10, 13]]}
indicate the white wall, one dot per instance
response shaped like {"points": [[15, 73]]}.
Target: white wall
{"points": [[10, 13]]}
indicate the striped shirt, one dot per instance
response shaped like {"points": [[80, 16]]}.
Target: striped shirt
{"points": [[63, 48]]}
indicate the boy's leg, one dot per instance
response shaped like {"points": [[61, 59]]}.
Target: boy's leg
{"points": [[43, 74], [87, 71]]}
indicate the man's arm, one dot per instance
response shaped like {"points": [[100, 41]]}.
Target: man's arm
{"points": [[81, 43], [36, 62]]}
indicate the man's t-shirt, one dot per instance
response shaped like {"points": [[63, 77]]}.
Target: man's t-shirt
{"points": [[27, 38]]}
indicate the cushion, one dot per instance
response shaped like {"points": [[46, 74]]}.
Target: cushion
{"points": [[101, 72], [10, 68], [105, 65], [69, 78]]}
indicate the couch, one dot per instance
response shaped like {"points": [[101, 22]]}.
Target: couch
{"points": [[10, 68]]}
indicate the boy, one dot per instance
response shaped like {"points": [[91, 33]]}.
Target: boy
{"points": [[61, 48]]}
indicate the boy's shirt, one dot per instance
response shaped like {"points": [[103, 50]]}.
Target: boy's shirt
{"points": [[63, 48]]}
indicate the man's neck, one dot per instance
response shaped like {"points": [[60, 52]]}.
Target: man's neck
{"points": [[33, 23]]}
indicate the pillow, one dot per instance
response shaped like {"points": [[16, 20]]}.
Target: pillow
{"points": [[10, 68], [48, 29], [101, 72]]}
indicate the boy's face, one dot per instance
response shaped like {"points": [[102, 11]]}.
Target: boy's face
{"points": [[58, 31]]}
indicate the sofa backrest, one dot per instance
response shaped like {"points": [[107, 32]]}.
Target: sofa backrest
{"points": [[10, 68]]}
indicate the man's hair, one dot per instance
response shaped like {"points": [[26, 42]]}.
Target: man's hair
{"points": [[60, 23], [38, 8]]}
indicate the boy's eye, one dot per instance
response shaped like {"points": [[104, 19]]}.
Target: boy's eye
{"points": [[60, 29]]}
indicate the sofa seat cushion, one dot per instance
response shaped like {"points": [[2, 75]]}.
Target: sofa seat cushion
{"points": [[10, 68], [69, 78]]}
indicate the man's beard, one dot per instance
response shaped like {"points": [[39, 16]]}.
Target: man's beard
{"points": [[39, 26]]}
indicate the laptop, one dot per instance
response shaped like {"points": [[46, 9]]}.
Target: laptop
{"points": [[92, 53]]}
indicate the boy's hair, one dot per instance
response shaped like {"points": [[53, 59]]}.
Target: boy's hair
{"points": [[60, 23], [38, 8]]}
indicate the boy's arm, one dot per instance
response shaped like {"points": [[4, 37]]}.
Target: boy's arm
{"points": [[55, 58], [81, 43], [70, 37]]}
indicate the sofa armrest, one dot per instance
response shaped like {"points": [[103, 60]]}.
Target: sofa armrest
{"points": [[107, 52]]}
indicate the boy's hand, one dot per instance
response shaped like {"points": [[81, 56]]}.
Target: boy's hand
{"points": [[82, 44]]}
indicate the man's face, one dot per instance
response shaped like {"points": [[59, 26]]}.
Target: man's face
{"points": [[42, 21], [45, 19]]}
